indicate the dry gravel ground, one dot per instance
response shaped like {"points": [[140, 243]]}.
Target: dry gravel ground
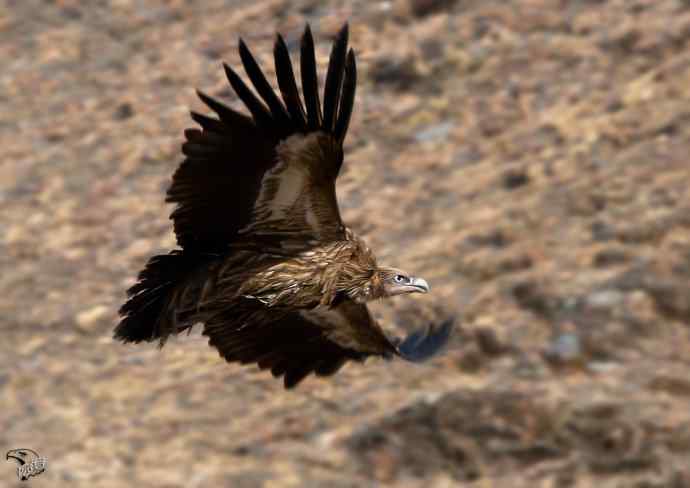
{"points": [[530, 159]]}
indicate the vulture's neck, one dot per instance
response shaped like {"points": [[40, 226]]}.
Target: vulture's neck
{"points": [[351, 272]]}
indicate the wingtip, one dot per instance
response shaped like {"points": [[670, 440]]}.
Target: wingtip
{"points": [[243, 49], [234, 79], [344, 32], [279, 42], [342, 38], [280, 48], [307, 40], [205, 97], [228, 70]]}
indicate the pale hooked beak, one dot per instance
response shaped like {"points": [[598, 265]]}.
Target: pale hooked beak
{"points": [[420, 285]]}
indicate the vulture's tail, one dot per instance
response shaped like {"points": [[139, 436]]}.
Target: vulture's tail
{"points": [[161, 301]]}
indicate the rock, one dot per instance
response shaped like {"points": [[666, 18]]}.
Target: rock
{"points": [[489, 343], [467, 156], [435, 133], [495, 238], [532, 296], [671, 385], [565, 349], [672, 298], [602, 231], [123, 111], [515, 178], [602, 367], [30, 347], [604, 299], [471, 359], [610, 257], [88, 319], [421, 8], [397, 72]]}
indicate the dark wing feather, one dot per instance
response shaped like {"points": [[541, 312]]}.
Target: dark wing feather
{"points": [[268, 177], [310, 80], [259, 112], [280, 116], [319, 341], [334, 78], [209, 124], [290, 346], [348, 98], [287, 83], [216, 185], [358, 329]]}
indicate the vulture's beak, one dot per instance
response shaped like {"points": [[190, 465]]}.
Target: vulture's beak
{"points": [[419, 285], [15, 454]]}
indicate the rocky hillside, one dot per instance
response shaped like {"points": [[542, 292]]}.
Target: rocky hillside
{"points": [[529, 158]]}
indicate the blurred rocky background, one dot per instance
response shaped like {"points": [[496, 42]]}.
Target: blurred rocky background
{"points": [[529, 158]]}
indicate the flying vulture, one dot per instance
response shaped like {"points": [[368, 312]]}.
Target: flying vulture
{"points": [[266, 263]]}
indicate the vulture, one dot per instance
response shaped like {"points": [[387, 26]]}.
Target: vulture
{"points": [[265, 262]]}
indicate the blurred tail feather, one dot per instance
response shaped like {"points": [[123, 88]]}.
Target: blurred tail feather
{"points": [[151, 313]]}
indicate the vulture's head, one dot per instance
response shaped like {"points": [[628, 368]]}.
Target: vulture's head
{"points": [[21, 456], [394, 281]]}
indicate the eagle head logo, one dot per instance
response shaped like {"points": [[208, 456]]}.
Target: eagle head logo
{"points": [[29, 463]]}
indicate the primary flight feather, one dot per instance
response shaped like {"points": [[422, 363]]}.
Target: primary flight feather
{"points": [[266, 263]]}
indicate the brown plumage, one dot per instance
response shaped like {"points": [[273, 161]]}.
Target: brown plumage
{"points": [[266, 263]]}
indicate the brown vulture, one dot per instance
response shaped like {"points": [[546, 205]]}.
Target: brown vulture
{"points": [[266, 263]]}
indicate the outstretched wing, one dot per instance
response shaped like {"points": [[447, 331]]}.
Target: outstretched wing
{"points": [[320, 341], [268, 177]]}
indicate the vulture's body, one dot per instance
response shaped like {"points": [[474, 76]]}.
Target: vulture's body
{"points": [[266, 263]]}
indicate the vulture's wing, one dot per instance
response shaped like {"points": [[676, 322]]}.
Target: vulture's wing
{"points": [[318, 341], [270, 177]]}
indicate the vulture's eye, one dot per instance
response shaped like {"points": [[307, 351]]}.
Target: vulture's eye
{"points": [[400, 279]]}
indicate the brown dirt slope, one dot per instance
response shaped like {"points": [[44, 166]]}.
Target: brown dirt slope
{"points": [[529, 158]]}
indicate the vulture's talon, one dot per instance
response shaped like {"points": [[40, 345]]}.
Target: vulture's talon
{"points": [[425, 343]]}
